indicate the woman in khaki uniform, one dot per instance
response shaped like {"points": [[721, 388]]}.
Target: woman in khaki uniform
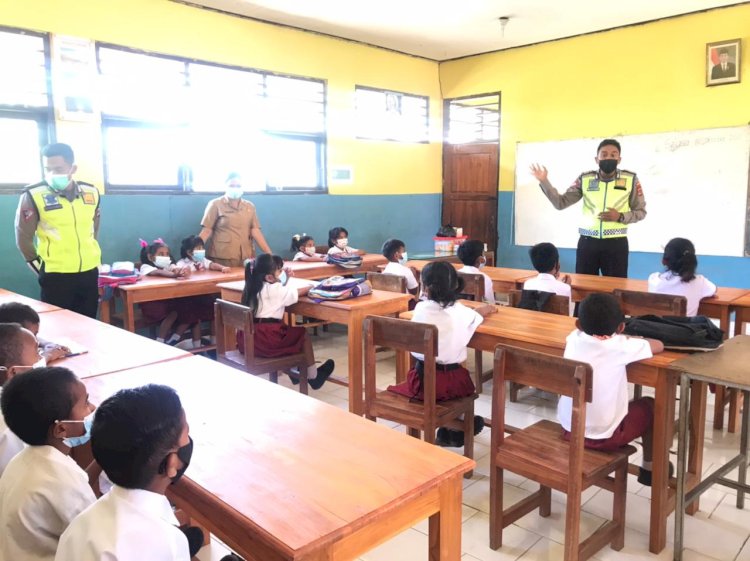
{"points": [[232, 225]]}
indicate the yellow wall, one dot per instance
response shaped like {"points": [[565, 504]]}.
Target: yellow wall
{"points": [[167, 27], [640, 79]]}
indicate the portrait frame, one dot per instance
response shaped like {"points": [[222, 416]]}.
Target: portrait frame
{"points": [[727, 71]]}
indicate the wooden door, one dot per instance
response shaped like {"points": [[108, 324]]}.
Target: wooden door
{"points": [[470, 181]]}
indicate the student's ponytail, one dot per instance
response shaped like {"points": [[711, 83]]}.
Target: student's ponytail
{"points": [[255, 276], [679, 258]]}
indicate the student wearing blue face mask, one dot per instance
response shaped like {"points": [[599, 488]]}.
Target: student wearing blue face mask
{"points": [[395, 251], [232, 225], [267, 293], [471, 254], [62, 213], [42, 490]]}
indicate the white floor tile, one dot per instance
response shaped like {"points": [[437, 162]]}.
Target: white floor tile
{"points": [[475, 540]]}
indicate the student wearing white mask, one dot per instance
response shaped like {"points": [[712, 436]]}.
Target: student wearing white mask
{"points": [[395, 251], [471, 254], [232, 225], [338, 242]]}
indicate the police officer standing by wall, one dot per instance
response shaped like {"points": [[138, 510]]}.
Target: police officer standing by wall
{"points": [[612, 199], [63, 213]]}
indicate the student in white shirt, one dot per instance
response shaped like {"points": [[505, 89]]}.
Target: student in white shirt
{"points": [[303, 248], [456, 324], [395, 251], [268, 295], [140, 438], [611, 420], [338, 242], [546, 260], [42, 489], [18, 353], [26, 316], [471, 254], [193, 256], [680, 278]]}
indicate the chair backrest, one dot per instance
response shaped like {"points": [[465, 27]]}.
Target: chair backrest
{"points": [[473, 286], [387, 281], [236, 317], [321, 249], [636, 303], [401, 335], [490, 257], [555, 305]]}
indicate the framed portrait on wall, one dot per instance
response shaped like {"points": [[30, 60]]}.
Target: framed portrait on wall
{"points": [[723, 62]]}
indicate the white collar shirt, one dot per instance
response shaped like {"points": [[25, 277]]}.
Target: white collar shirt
{"points": [[202, 265], [608, 359], [334, 250], [125, 525], [547, 283], [41, 491], [274, 298], [694, 290], [10, 444], [394, 268], [456, 324], [489, 294]]}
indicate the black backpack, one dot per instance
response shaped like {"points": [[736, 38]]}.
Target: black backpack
{"points": [[534, 299], [676, 332]]}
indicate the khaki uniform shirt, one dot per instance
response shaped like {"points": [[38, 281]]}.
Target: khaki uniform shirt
{"points": [[230, 227]]}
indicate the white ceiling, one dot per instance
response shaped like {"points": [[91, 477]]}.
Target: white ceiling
{"points": [[444, 29]]}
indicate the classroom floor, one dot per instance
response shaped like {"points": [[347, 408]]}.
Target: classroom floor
{"points": [[718, 532]]}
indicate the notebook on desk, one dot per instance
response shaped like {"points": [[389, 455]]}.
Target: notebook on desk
{"points": [[75, 349]]}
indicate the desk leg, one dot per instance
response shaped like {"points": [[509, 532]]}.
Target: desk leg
{"points": [[105, 311], [663, 421], [356, 320], [445, 526], [682, 441], [697, 435], [128, 312], [742, 468]]}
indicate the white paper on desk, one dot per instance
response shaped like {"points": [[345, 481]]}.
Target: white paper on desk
{"points": [[301, 283], [75, 348]]}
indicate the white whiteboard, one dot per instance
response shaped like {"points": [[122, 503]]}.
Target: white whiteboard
{"points": [[695, 184]]}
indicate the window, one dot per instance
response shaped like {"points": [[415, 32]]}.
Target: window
{"points": [[25, 107], [387, 115], [473, 119], [171, 123]]}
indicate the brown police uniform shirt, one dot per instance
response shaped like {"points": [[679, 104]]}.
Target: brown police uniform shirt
{"points": [[230, 230]]}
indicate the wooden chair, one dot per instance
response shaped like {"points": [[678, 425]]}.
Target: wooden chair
{"points": [[559, 305], [474, 290], [427, 415], [539, 452], [637, 303], [322, 249], [230, 318], [387, 281]]}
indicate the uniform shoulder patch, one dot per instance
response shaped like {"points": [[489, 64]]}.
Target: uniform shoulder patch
{"points": [[27, 214], [638, 188], [88, 198]]}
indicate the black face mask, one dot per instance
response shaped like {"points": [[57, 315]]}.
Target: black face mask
{"points": [[607, 166], [184, 454]]}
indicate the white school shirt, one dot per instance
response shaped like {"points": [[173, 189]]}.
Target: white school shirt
{"points": [[194, 265], [456, 324], [489, 294], [273, 299], [394, 268], [41, 491], [10, 444], [125, 525], [694, 290], [608, 359], [302, 256], [147, 269], [348, 249], [547, 283]]}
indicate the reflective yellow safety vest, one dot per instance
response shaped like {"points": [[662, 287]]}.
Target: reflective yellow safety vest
{"points": [[65, 233], [598, 196]]}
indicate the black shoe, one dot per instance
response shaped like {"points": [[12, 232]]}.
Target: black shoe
{"points": [[194, 537], [324, 371], [644, 475], [455, 438], [231, 557], [478, 424], [294, 377], [442, 438]]}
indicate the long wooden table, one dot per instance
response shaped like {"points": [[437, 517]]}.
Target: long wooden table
{"points": [[39, 307], [280, 476], [109, 349], [547, 333], [741, 307], [351, 313], [503, 279]]}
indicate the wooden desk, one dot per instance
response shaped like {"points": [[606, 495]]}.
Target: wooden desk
{"points": [[280, 476], [39, 307], [741, 307], [316, 270], [110, 348], [547, 333], [149, 289], [503, 279], [351, 313]]}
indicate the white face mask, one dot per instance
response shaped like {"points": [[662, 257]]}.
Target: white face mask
{"points": [[41, 363], [309, 250], [162, 261], [342, 242], [482, 263], [404, 258], [234, 193]]}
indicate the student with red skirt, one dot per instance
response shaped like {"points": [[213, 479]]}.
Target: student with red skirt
{"points": [[456, 324], [266, 292]]}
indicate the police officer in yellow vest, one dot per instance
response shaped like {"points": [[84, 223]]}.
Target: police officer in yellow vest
{"points": [[63, 214], [612, 199]]}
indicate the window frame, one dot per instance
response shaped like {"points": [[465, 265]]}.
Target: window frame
{"points": [[426, 99], [184, 184], [447, 120], [43, 116]]}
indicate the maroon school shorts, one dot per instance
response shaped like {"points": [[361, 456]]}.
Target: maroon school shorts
{"points": [[640, 419]]}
